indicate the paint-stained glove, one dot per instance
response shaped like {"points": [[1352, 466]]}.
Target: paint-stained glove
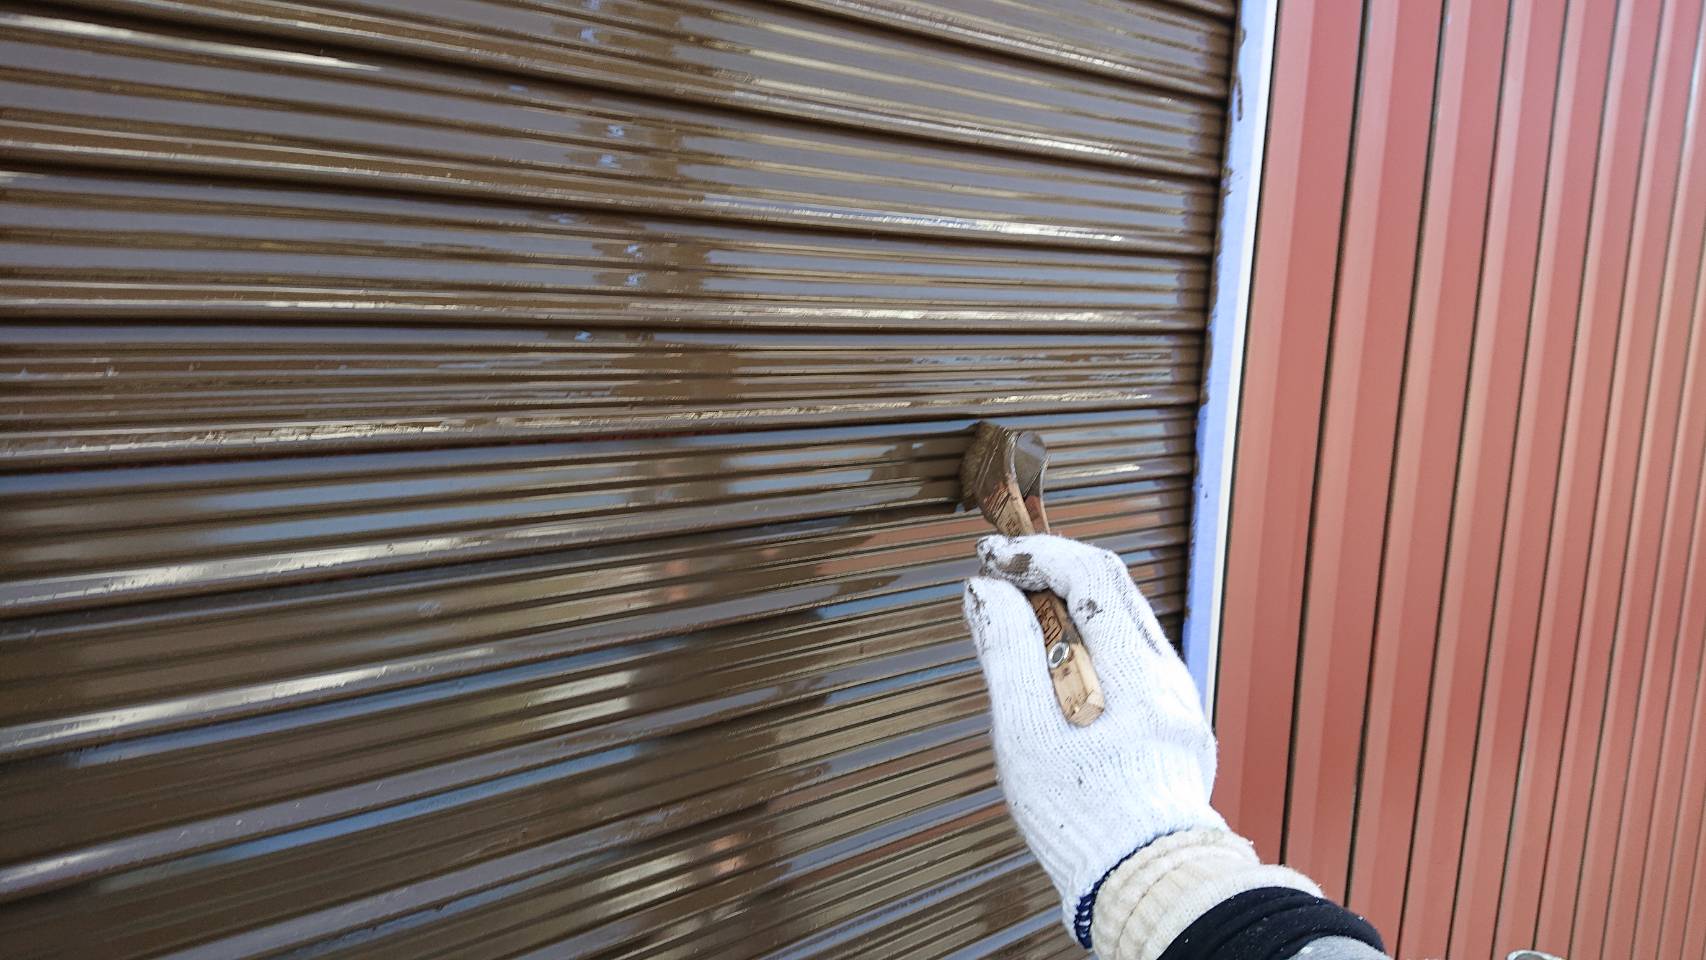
{"points": [[1086, 798]]}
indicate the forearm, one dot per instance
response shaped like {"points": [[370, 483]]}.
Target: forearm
{"points": [[1203, 893]]}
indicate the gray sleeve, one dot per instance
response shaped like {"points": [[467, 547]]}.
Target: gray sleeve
{"points": [[1338, 948]]}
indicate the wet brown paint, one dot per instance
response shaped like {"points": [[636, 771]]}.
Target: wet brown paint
{"points": [[479, 480]]}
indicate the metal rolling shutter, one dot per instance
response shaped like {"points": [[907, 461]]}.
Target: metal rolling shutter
{"points": [[479, 479]]}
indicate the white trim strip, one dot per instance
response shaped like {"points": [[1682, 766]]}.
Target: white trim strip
{"points": [[1217, 419]]}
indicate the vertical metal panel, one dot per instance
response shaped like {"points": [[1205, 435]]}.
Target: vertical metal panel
{"points": [[1639, 892], [1628, 781], [1607, 386], [1669, 829], [1309, 119], [480, 477], [1670, 897], [1683, 924], [1532, 574], [1459, 189], [1524, 592], [1461, 645], [1694, 943], [1666, 891], [1509, 337], [1512, 249], [1370, 309], [1582, 79]]}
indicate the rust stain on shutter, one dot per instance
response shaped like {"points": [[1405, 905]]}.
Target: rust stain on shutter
{"points": [[478, 478]]}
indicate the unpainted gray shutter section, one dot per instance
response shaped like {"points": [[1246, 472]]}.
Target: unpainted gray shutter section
{"points": [[479, 476]]}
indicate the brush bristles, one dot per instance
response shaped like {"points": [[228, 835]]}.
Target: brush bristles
{"points": [[985, 446]]}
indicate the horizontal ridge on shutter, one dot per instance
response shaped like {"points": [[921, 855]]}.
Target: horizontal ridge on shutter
{"points": [[381, 125]]}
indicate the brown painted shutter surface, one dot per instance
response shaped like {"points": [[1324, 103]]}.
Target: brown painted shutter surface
{"points": [[479, 477]]}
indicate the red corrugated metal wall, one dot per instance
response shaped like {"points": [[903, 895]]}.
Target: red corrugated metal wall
{"points": [[1464, 611]]}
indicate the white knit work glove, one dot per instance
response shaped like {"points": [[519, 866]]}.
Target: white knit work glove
{"points": [[1085, 798]]}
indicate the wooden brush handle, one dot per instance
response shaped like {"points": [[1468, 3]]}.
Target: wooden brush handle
{"points": [[1076, 686]]}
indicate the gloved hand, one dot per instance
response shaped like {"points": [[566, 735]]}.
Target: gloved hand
{"points": [[1085, 798]]}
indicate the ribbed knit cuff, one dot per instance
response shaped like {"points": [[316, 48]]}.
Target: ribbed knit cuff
{"points": [[1150, 898]]}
